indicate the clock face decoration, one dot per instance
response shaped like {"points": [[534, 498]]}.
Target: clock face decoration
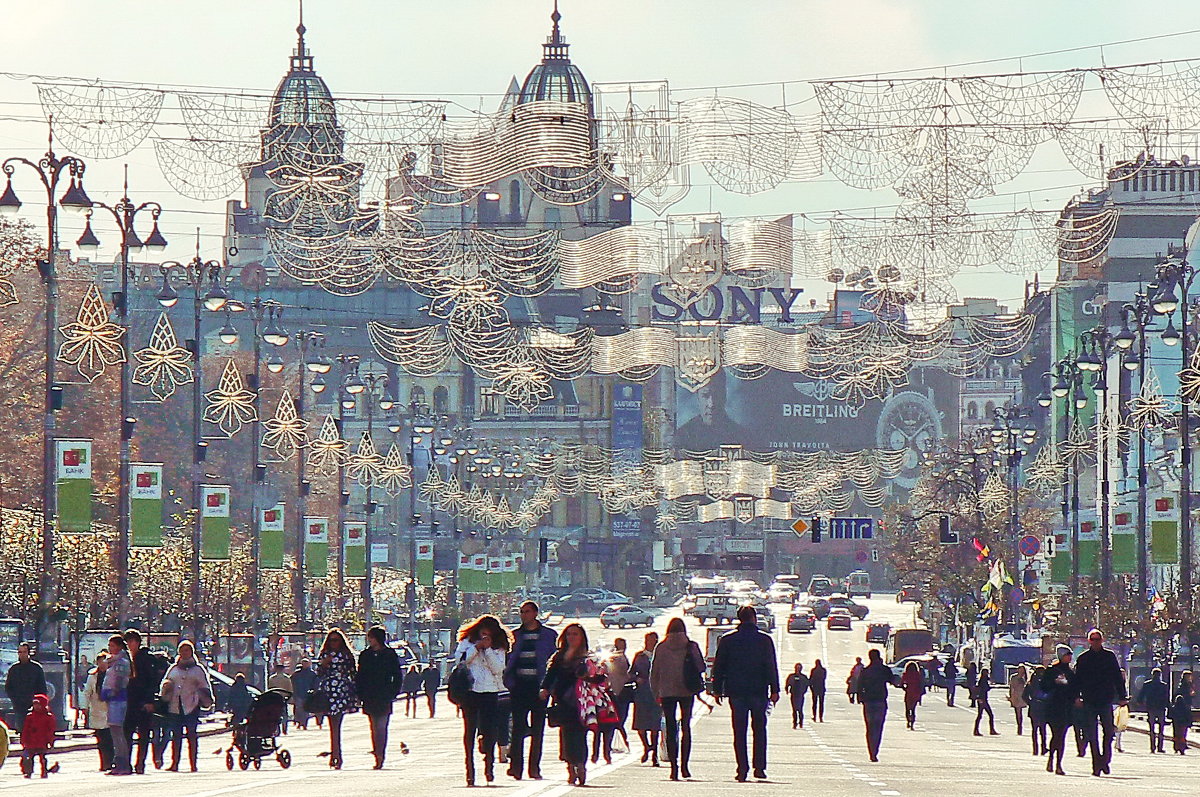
{"points": [[911, 422]]}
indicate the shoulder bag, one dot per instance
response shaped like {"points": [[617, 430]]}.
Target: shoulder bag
{"points": [[693, 671], [459, 683]]}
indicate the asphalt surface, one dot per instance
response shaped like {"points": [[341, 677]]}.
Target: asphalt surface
{"points": [[940, 757]]}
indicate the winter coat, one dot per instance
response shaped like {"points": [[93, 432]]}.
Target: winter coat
{"points": [[187, 683], [411, 681], [671, 658], [146, 677], [950, 674], [431, 679], [545, 641], [914, 687], [562, 678], [816, 680], [115, 691], [1180, 712], [379, 680], [852, 678], [745, 664], [24, 680], [796, 685], [1098, 677], [97, 709], [303, 681], [1035, 698], [1016, 691], [618, 673], [38, 731], [1059, 685], [873, 682], [1155, 696], [486, 666]]}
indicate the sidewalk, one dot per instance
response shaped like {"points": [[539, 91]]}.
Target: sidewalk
{"points": [[73, 741]]}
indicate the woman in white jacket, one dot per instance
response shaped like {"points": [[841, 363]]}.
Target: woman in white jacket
{"points": [[188, 691], [97, 714]]}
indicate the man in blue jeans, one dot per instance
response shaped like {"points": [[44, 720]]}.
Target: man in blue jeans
{"points": [[745, 671]]}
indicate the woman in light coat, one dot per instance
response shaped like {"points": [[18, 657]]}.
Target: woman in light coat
{"points": [[677, 659], [187, 691], [483, 646], [97, 714], [115, 693], [1016, 696]]}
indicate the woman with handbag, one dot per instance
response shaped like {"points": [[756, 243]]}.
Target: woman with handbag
{"points": [[335, 689], [563, 672], [647, 714], [676, 677], [187, 691], [482, 652]]}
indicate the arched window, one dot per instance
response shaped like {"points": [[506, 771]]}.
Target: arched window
{"points": [[441, 400], [418, 394], [989, 409], [972, 410]]}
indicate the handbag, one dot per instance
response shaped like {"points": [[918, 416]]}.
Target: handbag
{"points": [[317, 701], [693, 679], [459, 683], [559, 713]]}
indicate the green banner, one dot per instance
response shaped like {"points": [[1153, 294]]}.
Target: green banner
{"points": [[73, 477], [270, 538], [354, 548], [425, 564], [1060, 565], [1089, 557], [145, 505], [1164, 530], [1124, 553], [316, 547], [214, 528], [495, 577]]}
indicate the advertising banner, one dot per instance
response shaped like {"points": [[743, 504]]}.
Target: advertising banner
{"points": [[145, 505], [73, 477], [214, 522], [270, 537], [354, 548], [425, 564], [316, 547], [1164, 530]]}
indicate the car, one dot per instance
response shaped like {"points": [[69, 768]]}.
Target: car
{"points": [[858, 583], [839, 618], [766, 621], [908, 594], [878, 632], [718, 608], [843, 602], [624, 614], [820, 606], [932, 665], [820, 586], [801, 620], [781, 592]]}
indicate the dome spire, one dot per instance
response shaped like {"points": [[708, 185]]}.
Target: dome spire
{"points": [[302, 60], [555, 48]]}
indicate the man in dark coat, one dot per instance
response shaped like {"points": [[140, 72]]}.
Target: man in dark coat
{"points": [[873, 694], [144, 682], [746, 672], [533, 645], [1155, 697], [1100, 685], [378, 681], [24, 680], [303, 682]]}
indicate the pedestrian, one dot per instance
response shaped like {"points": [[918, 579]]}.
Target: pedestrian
{"points": [[852, 679], [37, 736], [971, 677], [618, 682], [97, 713], [238, 700], [816, 687], [1181, 713], [1016, 696], [1035, 699], [148, 670], [745, 671], [304, 680], [483, 648], [24, 680], [282, 682], [647, 714], [563, 673], [950, 675], [114, 691], [431, 679], [335, 680], [1155, 697], [187, 691], [796, 686], [1058, 683], [913, 684], [378, 681], [873, 695], [676, 677], [983, 705], [411, 687], [533, 645], [1098, 679]]}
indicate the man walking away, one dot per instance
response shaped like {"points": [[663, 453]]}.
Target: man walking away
{"points": [[1098, 679], [852, 679], [873, 694], [796, 686], [303, 682], [745, 671], [533, 645], [816, 688], [1155, 697], [148, 670], [24, 680], [431, 679], [950, 674]]}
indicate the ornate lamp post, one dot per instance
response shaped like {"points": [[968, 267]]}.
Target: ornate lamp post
{"points": [[1096, 346], [1139, 314], [1068, 384], [312, 361]]}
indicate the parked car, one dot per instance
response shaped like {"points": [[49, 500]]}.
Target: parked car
{"points": [[908, 594], [839, 618], [878, 632], [624, 614], [858, 583], [802, 620]]}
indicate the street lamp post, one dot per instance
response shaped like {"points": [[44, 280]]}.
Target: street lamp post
{"points": [[1010, 443], [311, 361], [1068, 384], [1096, 346], [1141, 314], [348, 392], [125, 214], [373, 382], [50, 170]]}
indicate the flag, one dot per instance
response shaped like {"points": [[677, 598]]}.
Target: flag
{"points": [[145, 505], [214, 522], [316, 547], [73, 482], [354, 548], [270, 538], [983, 551], [425, 564]]}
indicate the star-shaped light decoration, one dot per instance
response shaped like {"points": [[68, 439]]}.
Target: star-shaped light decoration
{"points": [[1079, 447], [365, 463], [286, 432], [993, 496], [1149, 408], [231, 405], [1189, 378], [1046, 471], [327, 450], [91, 342], [396, 474], [164, 365]]}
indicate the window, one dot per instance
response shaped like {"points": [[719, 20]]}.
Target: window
{"points": [[972, 410], [514, 201], [441, 400], [418, 394], [553, 218]]}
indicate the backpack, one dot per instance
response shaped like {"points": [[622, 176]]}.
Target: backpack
{"points": [[459, 683]]}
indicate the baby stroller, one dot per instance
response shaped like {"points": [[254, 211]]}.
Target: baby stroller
{"points": [[258, 736]]}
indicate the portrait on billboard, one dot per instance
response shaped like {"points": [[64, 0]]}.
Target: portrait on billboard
{"points": [[703, 420]]}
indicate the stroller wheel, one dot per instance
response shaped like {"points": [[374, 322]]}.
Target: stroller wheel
{"points": [[257, 763], [244, 761], [229, 761], [284, 758]]}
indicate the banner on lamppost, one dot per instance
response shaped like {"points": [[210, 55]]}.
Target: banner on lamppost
{"points": [[479, 573], [425, 564], [316, 546], [1164, 530], [463, 574], [354, 548], [1089, 544], [73, 480], [270, 537], [519, 568], [495, 571], [145, 504], [214, 522], [510, 574], [1124, 541]]}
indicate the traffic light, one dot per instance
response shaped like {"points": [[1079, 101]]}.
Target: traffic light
{"points": [[816, 529], [945, 535]]}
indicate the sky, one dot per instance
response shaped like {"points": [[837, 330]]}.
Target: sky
{"points": [[469, 49]]}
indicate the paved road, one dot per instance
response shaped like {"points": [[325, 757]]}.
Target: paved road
{"points": [[940, 758]]}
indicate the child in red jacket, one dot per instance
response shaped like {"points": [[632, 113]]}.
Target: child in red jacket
{"points": [[37, 735]]}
